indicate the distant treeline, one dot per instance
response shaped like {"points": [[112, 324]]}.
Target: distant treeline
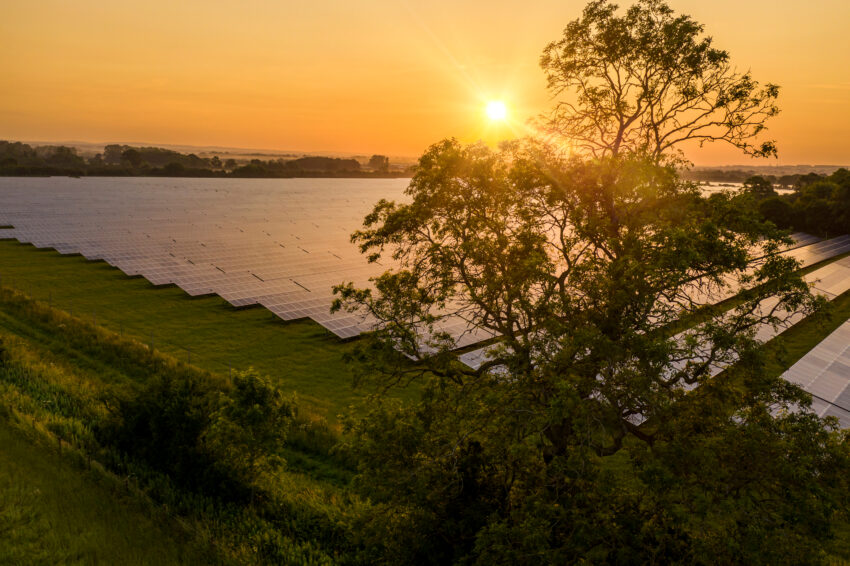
{"points": [[739, 176], [20, 159], [820, 204]]}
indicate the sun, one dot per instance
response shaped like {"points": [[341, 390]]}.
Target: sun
{"points": [[496, 110]]}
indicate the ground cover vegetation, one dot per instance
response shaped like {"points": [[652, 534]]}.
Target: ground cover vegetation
{"points": [[592, 434], [218, 459], [299, 356], [20, 159], [52, 512]]}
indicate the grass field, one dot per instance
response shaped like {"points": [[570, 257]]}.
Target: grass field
{"points": [[54, 513], [300, 356]]}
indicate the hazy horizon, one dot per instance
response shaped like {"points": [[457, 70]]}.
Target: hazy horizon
{"points": [[242, 151]]}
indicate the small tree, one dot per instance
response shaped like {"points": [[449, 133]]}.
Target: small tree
{"points": [[379, 163], [777, 211], [247, 431], [132, 156], [112, 154]]}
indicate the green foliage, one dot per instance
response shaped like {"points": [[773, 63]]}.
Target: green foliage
{"points": [[247, 430], [162, 426], [820, 206], [759, 187], [45, 392], [303, 166], [18, 158], [379, 163], [777, 211]]}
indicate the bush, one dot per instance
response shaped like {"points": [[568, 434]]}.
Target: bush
{"points": [[247, 430], [161, 424]]}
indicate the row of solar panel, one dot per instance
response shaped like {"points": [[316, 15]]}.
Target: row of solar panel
{"points": [[830, 280], [825, 373], [281, 244]]}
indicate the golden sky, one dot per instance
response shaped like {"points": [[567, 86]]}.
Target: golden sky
{"points": [[376, 76]]}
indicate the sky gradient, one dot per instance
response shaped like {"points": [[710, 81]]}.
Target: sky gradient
{"points": [[378, 76]]}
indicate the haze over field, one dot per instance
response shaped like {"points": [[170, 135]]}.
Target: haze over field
{"points": [[374, 77]]}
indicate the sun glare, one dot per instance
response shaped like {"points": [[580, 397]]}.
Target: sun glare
{"points": [[496, 110]]}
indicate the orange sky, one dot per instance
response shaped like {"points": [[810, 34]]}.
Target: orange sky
{"points": [[377, 76]]}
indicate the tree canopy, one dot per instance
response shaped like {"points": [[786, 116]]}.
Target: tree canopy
{"points": [[599, 426], [820, 205], [648, 80], [759, 187]]}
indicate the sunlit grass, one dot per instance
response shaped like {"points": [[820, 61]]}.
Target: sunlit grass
{"points": [[57, 394], [299, 356]]}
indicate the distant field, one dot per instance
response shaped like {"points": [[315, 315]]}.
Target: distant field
{"points": [[53, 513], [300, 356]]}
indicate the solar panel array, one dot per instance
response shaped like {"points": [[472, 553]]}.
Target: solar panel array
{"points": [[807, 249], [820, 251], [280, 243], [830, 281], [825, 373]]}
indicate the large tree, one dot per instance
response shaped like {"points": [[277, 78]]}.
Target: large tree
{"points": [[597, 427]]}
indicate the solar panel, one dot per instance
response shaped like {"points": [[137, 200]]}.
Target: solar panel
{"points": [[281, 243], [825, 373]]}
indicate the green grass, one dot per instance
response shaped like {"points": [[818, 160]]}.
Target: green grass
{"points": [[57, 374], [54, 513], [299, 356]]}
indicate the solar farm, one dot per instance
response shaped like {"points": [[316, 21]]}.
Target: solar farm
{"points": [[283, 244]]}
